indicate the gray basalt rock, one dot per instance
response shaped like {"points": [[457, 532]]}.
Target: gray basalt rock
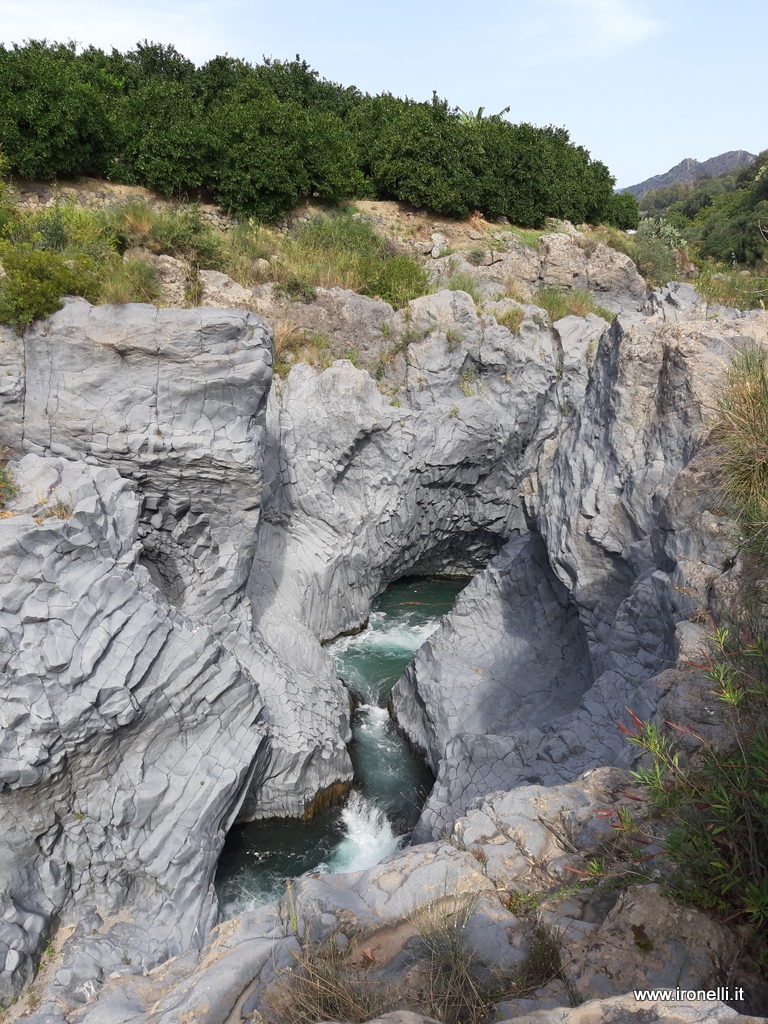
{"points": [[628, 1008], [512, 655], [569, 261], [445, 462], [619, 541], [175, 401], [350, 322], [563, 260], [129, 738]]}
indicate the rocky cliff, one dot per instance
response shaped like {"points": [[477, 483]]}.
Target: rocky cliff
{"points": [[185, 536]]}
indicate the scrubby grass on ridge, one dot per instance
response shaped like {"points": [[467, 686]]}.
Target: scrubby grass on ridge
{"points": [[67, 249]]}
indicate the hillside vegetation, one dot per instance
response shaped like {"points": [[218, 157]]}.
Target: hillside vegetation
{"points": [[722, 223], [261, 138]]}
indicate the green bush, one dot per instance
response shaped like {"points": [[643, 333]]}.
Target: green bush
{"points": [[263, 138], [37, 278], [718, 803], [428, 158], [55, 115]]}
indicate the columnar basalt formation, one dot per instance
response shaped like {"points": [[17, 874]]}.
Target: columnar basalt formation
{"points": [[599, 495], [185, 538]]}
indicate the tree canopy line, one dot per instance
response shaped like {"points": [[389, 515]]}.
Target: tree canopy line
{"points": [[261, 138]]}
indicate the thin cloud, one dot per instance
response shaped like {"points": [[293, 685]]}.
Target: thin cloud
{"points": [[613, 23]]}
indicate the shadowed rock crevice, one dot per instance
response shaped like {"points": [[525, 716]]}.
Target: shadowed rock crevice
{"points": [[510, 656]]}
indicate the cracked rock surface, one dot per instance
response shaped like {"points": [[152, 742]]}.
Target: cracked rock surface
{"points": [[185, 537]]}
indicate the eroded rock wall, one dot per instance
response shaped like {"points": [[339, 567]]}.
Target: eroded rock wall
{"points": [[607, 495], [129, 738]]}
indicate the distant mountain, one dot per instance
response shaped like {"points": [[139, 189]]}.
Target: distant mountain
{"points": [[687, 171]]}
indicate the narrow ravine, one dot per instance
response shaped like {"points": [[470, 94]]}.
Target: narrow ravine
{"points": [[391, 781]]}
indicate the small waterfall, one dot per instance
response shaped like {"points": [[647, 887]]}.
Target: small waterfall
{"points": [[368, 836], [378, 818]]}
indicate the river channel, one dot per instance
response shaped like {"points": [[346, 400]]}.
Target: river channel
{"points": [[391, 781]]}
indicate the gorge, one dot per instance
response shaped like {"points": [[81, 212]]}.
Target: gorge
{"points": [[191, 532]]}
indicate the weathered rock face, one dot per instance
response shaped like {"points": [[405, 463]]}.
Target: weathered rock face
{"points": [[555, 450], [598, 496], [511, 656], [173, 399], [349, 321], [444, 462], [563, 260], [627, 1008], [508, 843], [129, 738]]}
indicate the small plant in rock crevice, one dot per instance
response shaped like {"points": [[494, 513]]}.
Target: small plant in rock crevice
{"points": [[8, 487], [511, 318]]}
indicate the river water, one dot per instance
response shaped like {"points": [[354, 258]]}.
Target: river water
{"points": [[391, 782]]}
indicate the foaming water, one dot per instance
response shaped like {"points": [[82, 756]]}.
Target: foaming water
{"points": [[368, 835], [392, 782]]}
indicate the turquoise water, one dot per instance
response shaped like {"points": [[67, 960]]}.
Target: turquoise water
{"points": [[391, 782]]}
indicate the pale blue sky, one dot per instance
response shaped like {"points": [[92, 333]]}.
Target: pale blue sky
{"points": [[641, 83]]}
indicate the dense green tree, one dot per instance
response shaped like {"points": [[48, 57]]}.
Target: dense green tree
{"points": [[53, 119], [427, 157], [264, 137], [164, 138]]}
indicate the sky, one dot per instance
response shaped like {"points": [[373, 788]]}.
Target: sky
{"points": [[642, 84]]}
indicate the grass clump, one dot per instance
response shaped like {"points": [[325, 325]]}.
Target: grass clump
{"points": [[741, 440], [181, 233], [344, 251], [8, 488], [130, 281], [726, 286], [560, 302], [293, 345], [528, 236], [511, 318], [462, 281], [327, 984]]}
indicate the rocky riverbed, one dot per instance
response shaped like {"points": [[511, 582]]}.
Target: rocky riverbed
{"points": [[189, 531]]}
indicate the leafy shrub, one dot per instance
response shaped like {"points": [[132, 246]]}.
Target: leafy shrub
{"points": [[54, 111], [622, 211], [653, 250], [718, 804], [37, 278]]}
